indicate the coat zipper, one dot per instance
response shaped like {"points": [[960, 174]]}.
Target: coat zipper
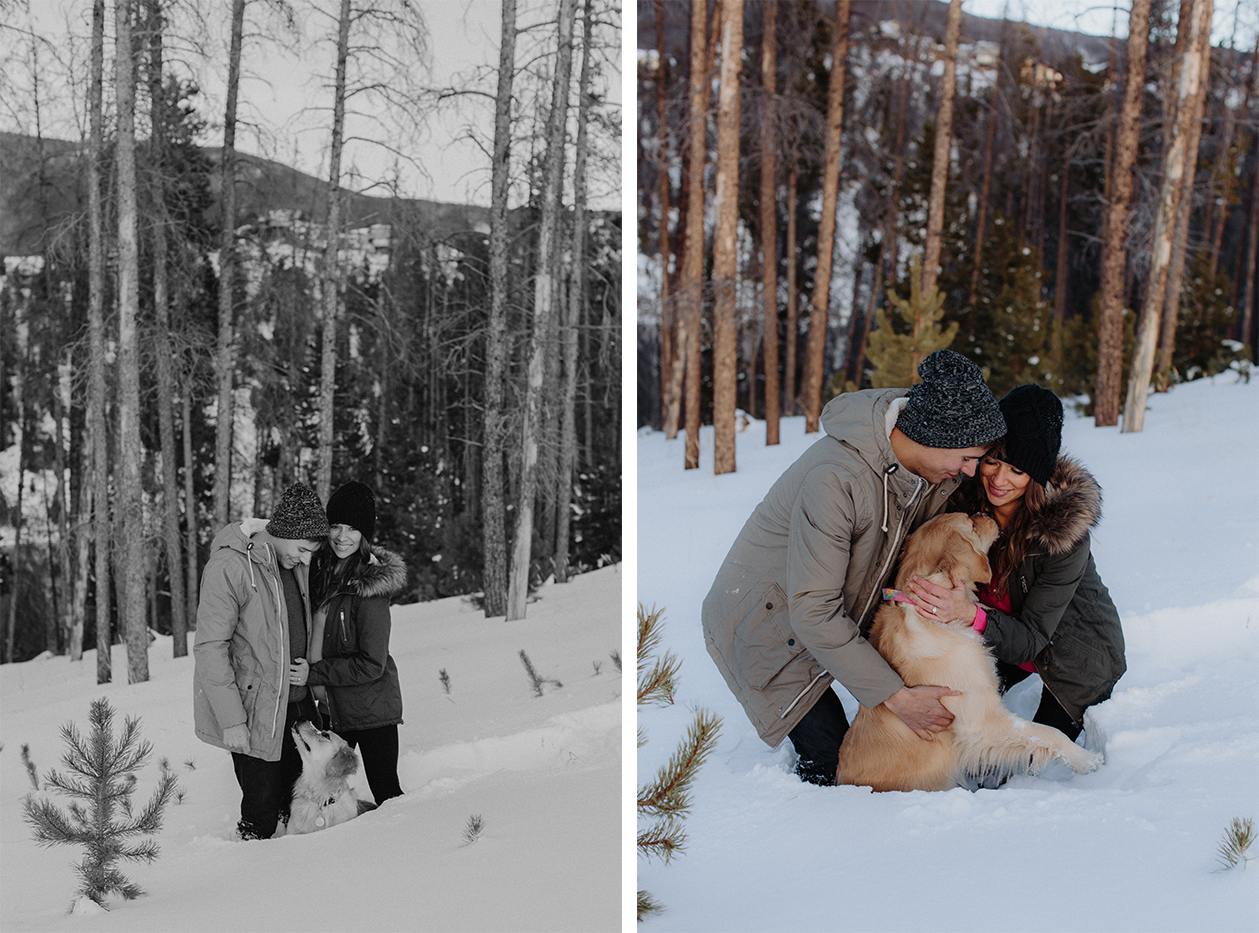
{"points": [[887, 563]]}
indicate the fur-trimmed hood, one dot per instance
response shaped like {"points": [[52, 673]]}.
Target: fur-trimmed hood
{"points": [[383, 575], [1073, 505]]}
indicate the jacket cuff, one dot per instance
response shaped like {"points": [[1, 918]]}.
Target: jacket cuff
{"points": [[981, 619]]}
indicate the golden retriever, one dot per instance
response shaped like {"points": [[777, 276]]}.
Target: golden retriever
{"points": [[322, 795], [879, 750]]}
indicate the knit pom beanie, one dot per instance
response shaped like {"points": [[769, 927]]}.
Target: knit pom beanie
{"points": [[951, 408], [299, 515], [354, 504], [1033, 418]]}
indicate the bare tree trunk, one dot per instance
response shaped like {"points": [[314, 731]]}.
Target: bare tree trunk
{"points": [[690, 282], [1180, 238], [18, 395], [1115, 224], [98, 467], [130, 483], [985, 187], [225, 351], [494, 521], [769, 220], [165, 377], [543, 297], [668, 331], [793, 320], [1178, 157], [331, 273], [191, 570], [576, 301], [815, 361], [943, 152], [1062, 269], [725, 239]]}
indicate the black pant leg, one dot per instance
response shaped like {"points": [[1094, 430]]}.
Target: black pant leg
{"points": [[261, 787], [379, 748], [1051, 713], [817, 738]]}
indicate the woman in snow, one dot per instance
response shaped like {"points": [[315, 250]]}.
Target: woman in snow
{"points": [[350, 669], [1046, 610]]}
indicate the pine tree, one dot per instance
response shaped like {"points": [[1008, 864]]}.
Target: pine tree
{"points": [[1205, 314], [895, 354], [1014, 345], [102, 775], [666, 800]]}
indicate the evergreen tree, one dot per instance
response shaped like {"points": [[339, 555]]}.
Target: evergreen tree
{"points": [[1205, 315], [1013, 347], [900, 343], [666, 800], [102, 776]]}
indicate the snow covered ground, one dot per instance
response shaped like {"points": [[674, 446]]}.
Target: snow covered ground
{"points": [[1130, 847], [543, 773]]}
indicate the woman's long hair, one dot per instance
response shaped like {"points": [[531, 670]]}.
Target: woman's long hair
{"points": [[1009, 550], [329, 575]]}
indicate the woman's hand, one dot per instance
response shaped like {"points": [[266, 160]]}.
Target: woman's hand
{"points": [[299, 670], [940, 602]]}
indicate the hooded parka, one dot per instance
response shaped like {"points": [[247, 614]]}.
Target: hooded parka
{"points": [[241, 651], [800, 586], [355, 667], [1062, 617]]}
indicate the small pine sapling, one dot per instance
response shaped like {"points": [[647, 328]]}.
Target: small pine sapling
{"points": [[616, 658], [1239, 838], [666, 800], [534, 678], [598, 667], [101, 780], [445, 679], [31, 771], [472, 832]]}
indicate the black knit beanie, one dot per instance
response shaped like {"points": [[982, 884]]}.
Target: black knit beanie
{"points": [[353, 504], [1033, 419], [299, 515], [951, 408]]}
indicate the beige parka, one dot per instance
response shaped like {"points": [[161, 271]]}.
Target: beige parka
{"points": [[799, 588]]}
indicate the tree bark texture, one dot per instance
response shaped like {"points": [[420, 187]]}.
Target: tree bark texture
{"points": [[943, 151], [1115, 224], [769, 220], [815, 360]]}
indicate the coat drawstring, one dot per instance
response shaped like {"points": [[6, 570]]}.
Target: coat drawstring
{"points": [[892, 468]]}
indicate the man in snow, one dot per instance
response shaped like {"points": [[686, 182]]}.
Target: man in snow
{"points": [[253, 621], [801, 584]]}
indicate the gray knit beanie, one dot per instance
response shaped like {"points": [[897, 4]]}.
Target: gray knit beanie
{"points": [[951, 408], [299, 515]]}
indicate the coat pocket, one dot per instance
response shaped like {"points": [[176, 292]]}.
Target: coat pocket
{"points": [[764, 642]]}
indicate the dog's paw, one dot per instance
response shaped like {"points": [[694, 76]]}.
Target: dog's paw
{"points": [[1089, 761]]}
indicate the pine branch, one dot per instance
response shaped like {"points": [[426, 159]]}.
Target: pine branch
{"points": [[646, 905], [1238, 840], [657, 686], [669, 794]]}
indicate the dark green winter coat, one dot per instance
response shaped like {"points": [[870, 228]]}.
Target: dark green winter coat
{"points": [[356, 669], [1062, 617]]}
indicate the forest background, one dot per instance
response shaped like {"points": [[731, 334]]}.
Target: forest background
{"points": [[806, 226], [190, 327]]}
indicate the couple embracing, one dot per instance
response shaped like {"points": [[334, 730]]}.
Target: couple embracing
{"points": [[797, 593], [293, 625]]}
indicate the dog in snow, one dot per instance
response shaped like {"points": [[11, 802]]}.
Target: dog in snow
{"points": [[879, 750], [322, 795]]}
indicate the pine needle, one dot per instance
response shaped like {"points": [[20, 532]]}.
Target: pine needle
{"points": [[1238, 839]]}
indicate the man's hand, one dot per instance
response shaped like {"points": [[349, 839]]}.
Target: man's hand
{"points": [[236, 738], [299, 670], [920, 708]]}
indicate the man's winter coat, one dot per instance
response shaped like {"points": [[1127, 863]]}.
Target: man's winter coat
{"points": [[359, 675], [241, 652], [800, 586], [1062, 617]]}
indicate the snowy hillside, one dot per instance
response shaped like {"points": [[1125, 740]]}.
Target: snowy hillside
{"points": [[1130, 847], [543, 773]]}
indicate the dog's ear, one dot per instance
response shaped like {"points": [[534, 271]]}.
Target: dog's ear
{"points": [[343, 763]]}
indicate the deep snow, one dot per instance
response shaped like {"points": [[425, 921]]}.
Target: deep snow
{"points": [[544, 773], [1130, 847]]}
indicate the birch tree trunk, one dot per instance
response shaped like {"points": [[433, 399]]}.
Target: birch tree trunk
{"points": [[225, 350], [1192, 72], [769, 221], [494, 521], [330, 279], [943, 153], [165, 377], [725, 239], [815, 359], [1115, 224], [131, 452], [543, 296], [97, 466], [576, 301]]}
